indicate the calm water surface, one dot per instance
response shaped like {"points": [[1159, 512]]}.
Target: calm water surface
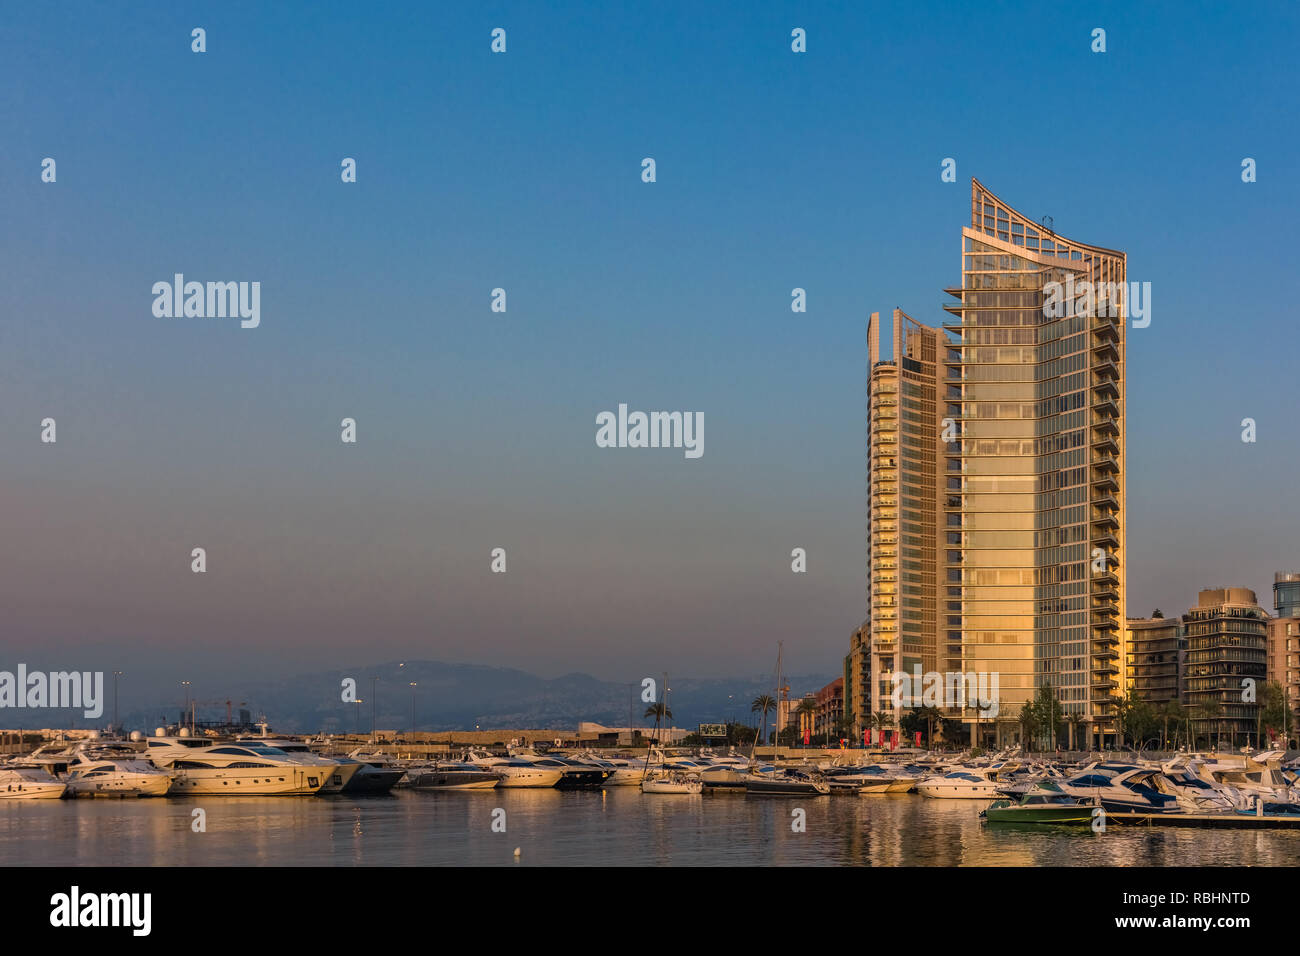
{"points": [[620, 826]]}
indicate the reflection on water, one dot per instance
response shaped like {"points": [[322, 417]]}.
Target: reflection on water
{"points": [[616, 827]]}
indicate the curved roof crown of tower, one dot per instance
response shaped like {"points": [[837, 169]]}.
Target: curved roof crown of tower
{"points": [[993, 217]]}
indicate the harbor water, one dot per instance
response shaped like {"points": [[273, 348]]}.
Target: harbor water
{"points": [[616, 827]]}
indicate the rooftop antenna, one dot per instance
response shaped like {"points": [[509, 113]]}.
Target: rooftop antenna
{"points": [[1047, 223]]}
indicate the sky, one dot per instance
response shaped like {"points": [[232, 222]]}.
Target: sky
{"points": [[522, 171]]}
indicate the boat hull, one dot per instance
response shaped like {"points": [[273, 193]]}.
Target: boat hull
{"points": [[542, 778], [373, 780], [129, 785], [581, 779], [1039, 814], [786, 788], [244, 782], [454, 780], [34, 791]]}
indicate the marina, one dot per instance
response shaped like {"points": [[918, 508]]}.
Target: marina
{"points": [[616, 827], [724, 807]]}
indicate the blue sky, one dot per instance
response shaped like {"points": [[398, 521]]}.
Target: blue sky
{"points": [[475, 170]]}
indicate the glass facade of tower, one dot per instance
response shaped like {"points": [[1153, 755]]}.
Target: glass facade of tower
{"points": [[1034, 485], [903, 494]]}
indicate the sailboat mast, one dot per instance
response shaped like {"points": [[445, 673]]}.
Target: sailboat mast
{"points": [[780, 646]]}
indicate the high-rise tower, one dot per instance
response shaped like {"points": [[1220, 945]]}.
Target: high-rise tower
{"points": [[905, 540], [1034, 485]]}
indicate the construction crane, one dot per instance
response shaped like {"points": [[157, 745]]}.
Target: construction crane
{"points": [[193, 704]]}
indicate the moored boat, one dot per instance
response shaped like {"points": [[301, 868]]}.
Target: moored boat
{"points": [[454, 777], [789, 782], [671, 783], [114, 770], [18, 782], [1044, 803]]}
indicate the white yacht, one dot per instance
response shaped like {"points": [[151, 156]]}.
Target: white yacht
{"points": [[872, 779], [1121, 788], [114, 770], [1260, 777], [338, 779], [574, 775], [967, 783], [29, 783], [515, 773], [671, 782], [205, 766], [623, 772]]}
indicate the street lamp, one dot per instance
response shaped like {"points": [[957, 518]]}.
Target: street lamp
{"points": [[413, 709], [116, 674], [372, 708], [186, 685]]}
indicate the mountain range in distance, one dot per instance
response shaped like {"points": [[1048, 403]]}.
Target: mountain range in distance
{"points": [[450, 697]]}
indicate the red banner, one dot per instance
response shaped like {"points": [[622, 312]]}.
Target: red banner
{"points": [[918, 738], [807, 737]]}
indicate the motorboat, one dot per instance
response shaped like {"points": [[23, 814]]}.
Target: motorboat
{"points": [[1121, 788], [574, 775], [874, 778], [788, 782], [367, 778], [858, 780], [53, 758], [114, 770], [205, 766], [672, 783], [515, 773], [623, 772], [380, 772], [725, 777], [1045, 802], [970, 783], [336, 781], [1260, 777], [454, 776], [19, 782]]}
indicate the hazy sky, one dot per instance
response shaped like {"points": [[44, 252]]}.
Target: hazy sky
{"points": [[523, 171]]}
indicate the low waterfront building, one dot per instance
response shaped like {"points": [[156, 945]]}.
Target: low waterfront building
{"points": [[1157, 651], [857, 682], [829, 702], [1284, 641], [1226, 641], [632, 736]]}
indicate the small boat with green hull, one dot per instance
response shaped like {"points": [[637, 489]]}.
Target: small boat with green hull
{"points": [[1045, 802]]}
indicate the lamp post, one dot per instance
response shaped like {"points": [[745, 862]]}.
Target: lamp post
{"points": [[186, 685], [413, 710], [116, 674], [373, 680]]}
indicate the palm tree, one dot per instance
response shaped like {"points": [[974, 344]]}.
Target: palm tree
{"points": [[660, 712], [929, 715], [765, 704]]}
